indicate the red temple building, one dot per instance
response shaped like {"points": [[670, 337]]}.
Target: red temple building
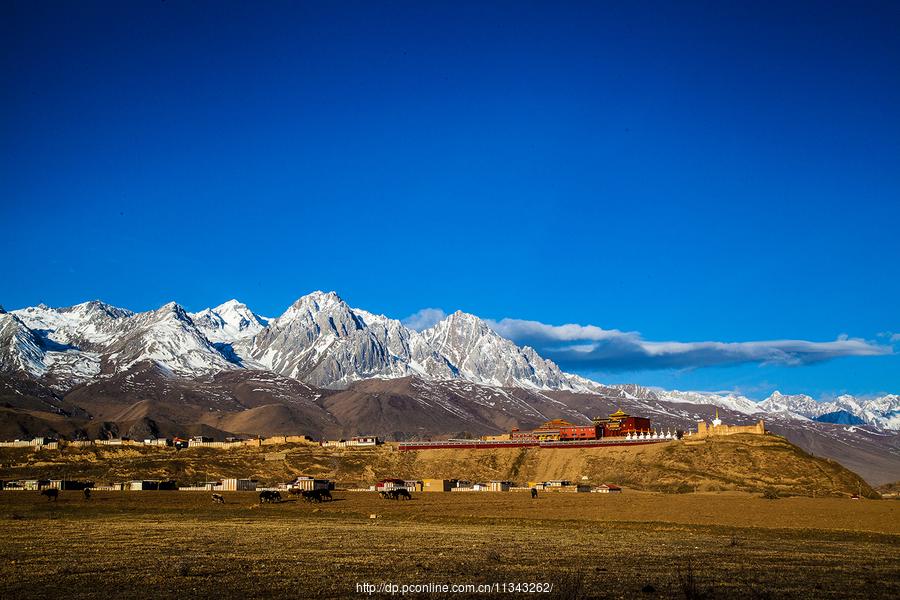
{"points": [[620, 423]]}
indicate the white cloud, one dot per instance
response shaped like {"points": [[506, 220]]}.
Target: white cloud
{"points": [[588, 346], [517, 328], [425, 318]]}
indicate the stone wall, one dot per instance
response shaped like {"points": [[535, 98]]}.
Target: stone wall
{"points": [[704, 429]]}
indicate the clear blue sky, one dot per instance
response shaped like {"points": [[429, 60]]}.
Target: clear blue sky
{"points": [[709, 171]]}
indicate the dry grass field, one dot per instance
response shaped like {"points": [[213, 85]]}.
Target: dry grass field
{"points": [[637, 544]]}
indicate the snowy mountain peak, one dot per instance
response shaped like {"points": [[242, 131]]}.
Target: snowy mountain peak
{"points": [[171, 307], [230, 304], [326, 310], [461, 325], [20, 348], [730, 401], [309, 306], [97, 307], [167, 336], [480, 354], [323, 341], [229, 322], [797, 404], [320, 300]]}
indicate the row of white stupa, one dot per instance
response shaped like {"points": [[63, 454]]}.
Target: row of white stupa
{"points": [[651, 435], [668, 435]]}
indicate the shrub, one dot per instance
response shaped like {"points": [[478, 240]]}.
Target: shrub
{"points": [[689, 584]]}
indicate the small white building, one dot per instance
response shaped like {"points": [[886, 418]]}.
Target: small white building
{"points": [[556, 483], [311, 483], [157, 442], [237, 485], [364, 440]]}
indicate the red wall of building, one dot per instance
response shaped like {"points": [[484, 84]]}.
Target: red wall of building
{"points": [[578, 432], [629, 425]]}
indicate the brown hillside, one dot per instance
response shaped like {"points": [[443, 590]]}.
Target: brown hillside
{"points": [[742, 463]]}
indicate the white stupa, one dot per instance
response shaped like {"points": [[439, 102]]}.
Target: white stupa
{"points": [[717, 421]]}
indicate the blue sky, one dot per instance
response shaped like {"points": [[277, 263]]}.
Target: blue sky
{"points": [[693, 172]]}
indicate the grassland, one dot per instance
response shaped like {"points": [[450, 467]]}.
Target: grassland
{"points": [[172, 544]]}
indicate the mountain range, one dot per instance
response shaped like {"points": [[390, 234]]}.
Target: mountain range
{"points": [[326, 368]]}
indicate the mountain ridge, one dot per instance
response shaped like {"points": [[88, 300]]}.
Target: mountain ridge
{"points": [[323, 341]]}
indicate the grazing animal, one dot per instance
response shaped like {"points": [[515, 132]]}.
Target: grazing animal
{"points": [[397, 494], [316, 495], [533, 493], [295, 492], [269, 496], [218, 498], [87, 493], [52, 494]]}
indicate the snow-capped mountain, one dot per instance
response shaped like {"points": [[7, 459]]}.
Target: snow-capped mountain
{"points": [[480, 355], [20, 348], [168, 337], [882, 412], [76, 343], [32, 352], [86, 326], [795, 405], [733, 402], [324, 342], [229, 322]]}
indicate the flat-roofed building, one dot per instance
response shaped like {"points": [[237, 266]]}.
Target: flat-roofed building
{"points": [[237, 485], [438, 485], [151, 485], [364, 440], [311, 483], [67, 484]]}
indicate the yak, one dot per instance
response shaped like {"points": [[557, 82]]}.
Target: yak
{"points": [[317, 495], [52, 494], [269, 496], [218, 499], [396, 494]]}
